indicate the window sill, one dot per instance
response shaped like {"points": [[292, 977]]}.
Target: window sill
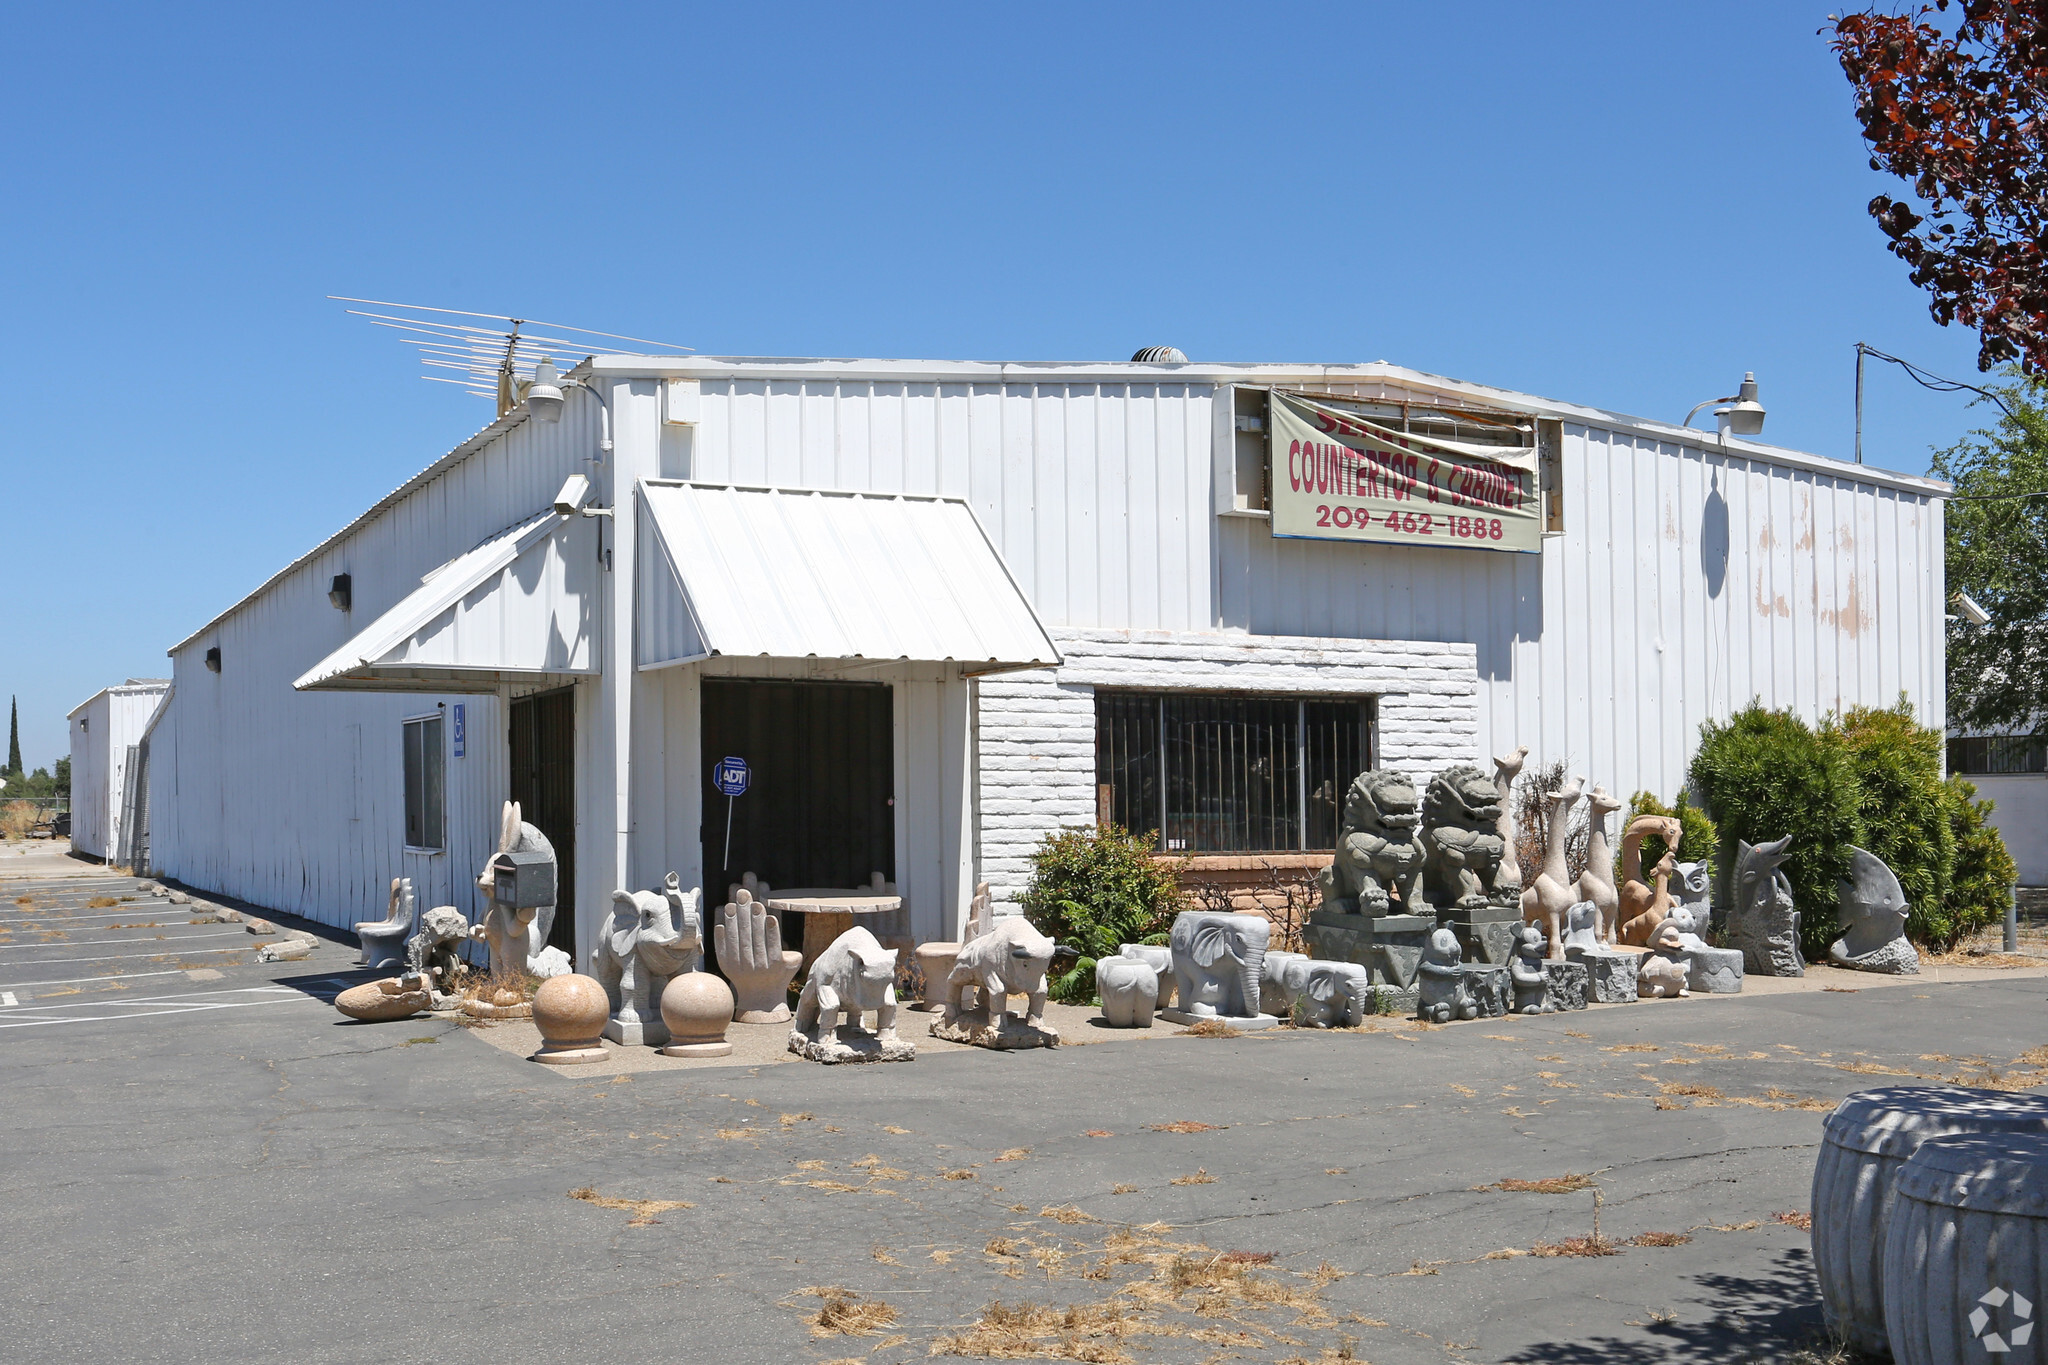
{"points": [[425, 852], [1251, 513], [1249, 862]]}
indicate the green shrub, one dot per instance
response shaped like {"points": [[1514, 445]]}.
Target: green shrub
{"points": [[1905, 809], [1698, 840], [1097, 888], [1985, 873], [1766, 774]]}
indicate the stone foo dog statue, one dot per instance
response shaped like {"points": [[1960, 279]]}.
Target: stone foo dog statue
{"points": [[1377, 853], [1461, 840], [1010, 959], [855, 973], [649, 938]]}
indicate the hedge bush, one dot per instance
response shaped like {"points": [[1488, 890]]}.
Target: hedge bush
{"points": [[1905, 809], [1097, 888], [1698, 840], [1765, 774], [1985, 873]]}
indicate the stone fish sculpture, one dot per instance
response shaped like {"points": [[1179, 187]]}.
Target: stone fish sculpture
{"points": [[649, 938], [854, 974], [1378, 853], [1761, 920], [1461, 839], [1873, 910]]}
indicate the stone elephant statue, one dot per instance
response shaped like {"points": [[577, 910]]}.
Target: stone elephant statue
{"points": [[649, 938], [1329, 994], [1218, 962]]}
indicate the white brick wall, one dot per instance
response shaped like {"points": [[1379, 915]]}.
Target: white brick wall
{"points": [[1036, 732]]}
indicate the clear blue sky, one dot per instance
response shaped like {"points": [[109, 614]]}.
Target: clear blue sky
{"points": [[1618, 204]]}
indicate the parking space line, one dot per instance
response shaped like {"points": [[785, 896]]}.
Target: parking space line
{"points": [[106, 976], [74, 919], [94, 942], [118, 957], [12, 1021], [7, 1000]]}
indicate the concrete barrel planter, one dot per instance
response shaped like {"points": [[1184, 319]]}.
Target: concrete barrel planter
{"points": [[1866, 1142], [1966, 1252]]}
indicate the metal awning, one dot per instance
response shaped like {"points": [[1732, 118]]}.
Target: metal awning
{"points": [[521, 607], [801, 574]]}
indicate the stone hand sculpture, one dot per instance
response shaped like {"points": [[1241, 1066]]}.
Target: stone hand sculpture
{"points": [[518, 939], [1446, 992], [751, 955], [1129, 990], [1761, 920], [1378, 853], [1218, 959], [434, 954], [1329, 994], [1596, 883], [1873, 913], [1508, 880], [854, 973], [1643, 906], [1552, 894], [383, 940], [1010, 959], [1526, 974], [649, 938], [1462, 844]]}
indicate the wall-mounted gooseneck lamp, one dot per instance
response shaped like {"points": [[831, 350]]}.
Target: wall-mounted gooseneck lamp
{"points": [[1744, 416]]}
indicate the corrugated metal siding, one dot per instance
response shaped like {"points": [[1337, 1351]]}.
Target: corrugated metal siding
{"points": [[294, 800], [91, 779]]}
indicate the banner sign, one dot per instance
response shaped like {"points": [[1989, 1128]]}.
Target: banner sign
{"points": [[1341, 476]]}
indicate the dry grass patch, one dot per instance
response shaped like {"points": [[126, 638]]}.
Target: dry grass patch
{"points": [[882, 1254], [1630, 1047], [1065, 1213], [101, 903], [1594, 1245], [1666, 1102], [1200, 1177], [1556, 1184], [1695, 1092], [643, 1210], [1086, 1332], [959, 1175], [1002, 1246], [1123, 1189], [1098, 1132], [1794, 1218], [1211, 1028], [796, 1118], [1182, 1126], [1658, 1239], [892, 1128], [846, 1314], [1015, 1154]]}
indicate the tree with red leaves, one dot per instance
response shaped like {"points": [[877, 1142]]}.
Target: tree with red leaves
{"points": [[1963, 117]]}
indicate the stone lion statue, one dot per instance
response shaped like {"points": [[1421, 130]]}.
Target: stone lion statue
{"points": [[1377, 853], [1461, 841]]}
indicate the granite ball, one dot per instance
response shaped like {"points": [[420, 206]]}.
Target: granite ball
{"points": [[571, 1010]]}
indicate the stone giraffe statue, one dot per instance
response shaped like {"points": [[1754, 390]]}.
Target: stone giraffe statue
{"points": [[1551, 895], [1644, 906], [1506, 768], [1596, 883]]}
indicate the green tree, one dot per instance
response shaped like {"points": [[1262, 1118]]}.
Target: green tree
{"points": [[1907, 820], [13, 735], [1094, 889], [1998, 554]]}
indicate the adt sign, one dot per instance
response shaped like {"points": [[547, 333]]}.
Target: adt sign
{"points": [[731, 776]]}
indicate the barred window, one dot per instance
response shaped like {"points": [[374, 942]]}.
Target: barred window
{"points": [[1989, 755], [1228, 772]]}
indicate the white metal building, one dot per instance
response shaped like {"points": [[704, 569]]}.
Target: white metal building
{"points": [[109, 783], [945, 608]]}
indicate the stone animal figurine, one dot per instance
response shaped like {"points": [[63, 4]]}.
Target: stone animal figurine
{"points": [[1328, 994], [1462, 845], [1379, 856], [1526, 975], [1218, 959], [1506, 768], [1596, 883], [383, 940], [434, 954], [751, 955], [1581, 927], [518, 939], [1761, 920], [1660, 976], [650, 937], [1446, 992], [1129, 990], [854, 974], [1010, 959], [1160, 958], [1692, 887], [1276, 989], [1873, 910], [1643, 905], [1552, 894]]}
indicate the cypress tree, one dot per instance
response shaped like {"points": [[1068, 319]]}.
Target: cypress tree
{"points": [[13, 734]]}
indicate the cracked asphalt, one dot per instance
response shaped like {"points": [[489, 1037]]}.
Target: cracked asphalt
{"points": [[206, 1184]]}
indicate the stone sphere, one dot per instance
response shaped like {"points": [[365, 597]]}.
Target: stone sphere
{"points": [[697, 1006], [571, 1010]]}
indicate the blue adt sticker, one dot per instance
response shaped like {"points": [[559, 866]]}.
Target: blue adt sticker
{"points": [[730, 776], [461, 728]]}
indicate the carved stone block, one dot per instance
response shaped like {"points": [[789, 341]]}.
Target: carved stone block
{"points": [[1487, 934], [1388, 946], [1610, 974], [1568, 984], [1714, 971]]}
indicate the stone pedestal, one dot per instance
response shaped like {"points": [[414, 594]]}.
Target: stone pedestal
{"points": [[1487, 935], [1714, 971], [1176, 1015], [934, 964], [1610, 974], [851, 1044], [1388, 946], [1490, 988], [1007, 1032], [1568, 984]]}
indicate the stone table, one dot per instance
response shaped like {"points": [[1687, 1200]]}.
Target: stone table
{"points": [[830, 911]]}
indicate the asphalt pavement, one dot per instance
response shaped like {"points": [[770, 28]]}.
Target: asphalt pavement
{"points": [[221, 1168]]}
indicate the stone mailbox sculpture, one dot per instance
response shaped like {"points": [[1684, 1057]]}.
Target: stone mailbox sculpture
{"points": [[650, 937], [1218, 959], [1873, 915], [520, 880], [1378, 853], [854, 973], [1761, 920], [750, 953], [1010, 959]]}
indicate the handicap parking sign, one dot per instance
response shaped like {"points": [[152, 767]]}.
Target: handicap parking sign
{"points": [[730, 776]]}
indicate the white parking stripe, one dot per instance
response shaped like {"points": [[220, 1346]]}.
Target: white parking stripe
{"points": [[109, 976], [93, 942], [180, 995], [7, 1000], [117, 957], [14, 1021], [115, 914]]}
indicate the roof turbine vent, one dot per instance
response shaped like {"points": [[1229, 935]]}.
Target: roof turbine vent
{"points": [[1160, 355]]}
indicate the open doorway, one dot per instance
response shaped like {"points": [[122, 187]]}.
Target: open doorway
{"points": [[543, 742], [819, 808]]}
